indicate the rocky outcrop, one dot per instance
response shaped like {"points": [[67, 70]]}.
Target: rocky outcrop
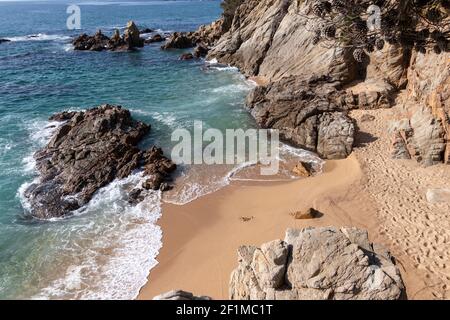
{"points": [[426, 125], [187, 56], [310, 114], [89, 150], [132, 36], [100, 42], [179, 295], [273, 40], [316, 264], [180, 40]]}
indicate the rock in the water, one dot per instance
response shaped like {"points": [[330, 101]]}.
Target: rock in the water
{"points": [[186, 56], [155, 38], [201, 50], [316, 264], [311, 213], [132, 36], [438, 195], [179, 295], [4, 40], [89, 150], [99, 42], [180, 40]]}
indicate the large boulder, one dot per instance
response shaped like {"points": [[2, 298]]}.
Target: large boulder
{"points": [[310, 114], [316, 264], [132, 36], [89, 150]]}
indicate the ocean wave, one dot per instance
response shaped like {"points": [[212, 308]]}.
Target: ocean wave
{"points": [[195, 183], [214, 64], [113, 246], [40, 133], [108, 246], [231, 88], [39, 37]]}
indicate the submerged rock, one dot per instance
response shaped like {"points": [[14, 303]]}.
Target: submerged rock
{"points": [[4, 40], [316, 264], [180, 40], [186, 56], [146, 30], [89, 150]]}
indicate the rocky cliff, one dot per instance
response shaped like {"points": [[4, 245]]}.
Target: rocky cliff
{"points": [[309, 87]]}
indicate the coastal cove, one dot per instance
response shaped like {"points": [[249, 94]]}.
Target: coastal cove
{"points": [[95, 202]]}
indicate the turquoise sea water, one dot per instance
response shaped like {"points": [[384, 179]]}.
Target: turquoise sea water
{"points": [[108, 247], [107, 250]]}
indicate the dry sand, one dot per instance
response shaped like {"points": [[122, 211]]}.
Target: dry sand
{"points": [[367, 190]]}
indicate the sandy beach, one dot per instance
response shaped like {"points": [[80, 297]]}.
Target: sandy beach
{"points": [[368, 190]]}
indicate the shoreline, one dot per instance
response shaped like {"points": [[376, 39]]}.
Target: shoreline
{"points": [[368, 190], [200, 239]]}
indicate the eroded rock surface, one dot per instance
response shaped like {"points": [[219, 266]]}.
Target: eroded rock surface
{"points": [[89, 150], [316, 264]]}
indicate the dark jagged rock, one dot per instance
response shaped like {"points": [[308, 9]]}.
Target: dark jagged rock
{"points": [[311, 114], [180, 40], [146, 30], [201, 50], [132, 36], [4, 40], [89, 150], [155, 38], [158, 168], [186, 56], [99, 42]]}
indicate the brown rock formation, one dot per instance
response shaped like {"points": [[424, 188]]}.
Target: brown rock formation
{"points": [[89, 150], [99, 42]]}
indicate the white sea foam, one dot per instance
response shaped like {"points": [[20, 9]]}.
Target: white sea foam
{"points": [[39, 37], [167, 118], [109, 246], [40, 133], [113, 246]]}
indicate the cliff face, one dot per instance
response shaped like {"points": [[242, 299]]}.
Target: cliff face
{"points": [[311, 87]]}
